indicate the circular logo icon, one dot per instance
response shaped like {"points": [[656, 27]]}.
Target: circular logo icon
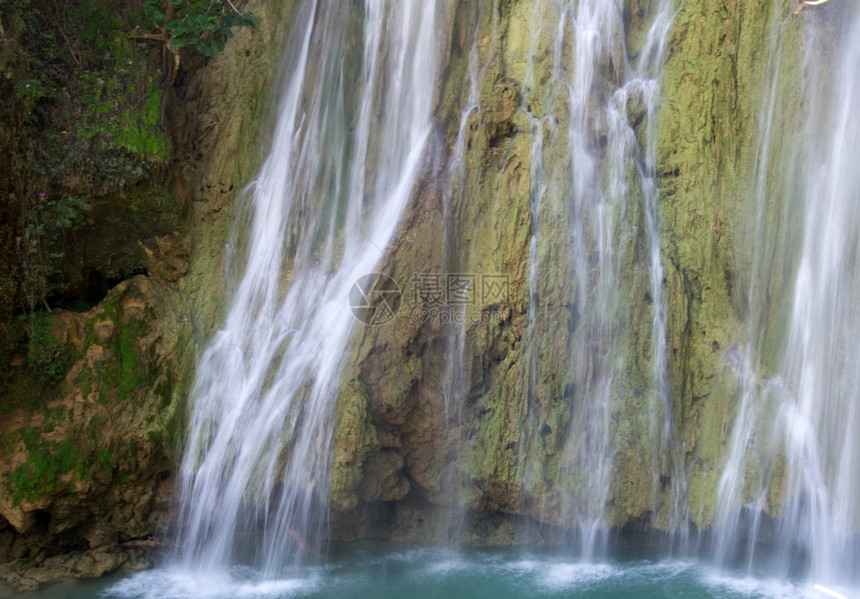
{"points": [[375, 299]]}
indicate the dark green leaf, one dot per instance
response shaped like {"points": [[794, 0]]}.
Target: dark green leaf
{"points": [[205, 49], [182, 41], [153, 12], [196, 20], [231, 20]]}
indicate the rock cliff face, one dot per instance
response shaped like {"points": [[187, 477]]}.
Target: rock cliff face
{"points": [[400, 450], [89, 450]]}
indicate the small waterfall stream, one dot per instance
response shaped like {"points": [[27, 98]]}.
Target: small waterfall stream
{"points": [[601, 189], [795, 438], [820, 417], [460, 259], [352, 127]]}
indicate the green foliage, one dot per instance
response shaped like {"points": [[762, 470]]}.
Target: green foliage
{"points": [[204, 24], [30, 92], [81, 104], [49, 356], [46, 221]]}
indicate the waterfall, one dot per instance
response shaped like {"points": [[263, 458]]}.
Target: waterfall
{"points": [[603, 191], [794, 450], [459, 256], [452, 381], [352, 128]]}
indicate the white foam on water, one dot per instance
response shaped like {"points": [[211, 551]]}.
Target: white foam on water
{"points": [[750, 587], [829, 592], [426, 555], [557, 576], [567, 576], [522, 567], [445, 567], [657, 570], [433, 571], [769, 588], [184, 584]]}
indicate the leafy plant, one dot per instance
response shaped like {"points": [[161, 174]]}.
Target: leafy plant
{"points": [[79, 126], [204, 24], [45, 223], [48, 355]]}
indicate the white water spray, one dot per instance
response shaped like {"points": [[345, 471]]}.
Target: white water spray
{"points": [[597, 84], [794, 442], [352, 128]]}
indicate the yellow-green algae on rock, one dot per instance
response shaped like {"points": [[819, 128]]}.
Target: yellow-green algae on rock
{"points": [[713, 87]]}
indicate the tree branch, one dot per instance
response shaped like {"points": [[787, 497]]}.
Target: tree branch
{"points": [[239, 13], [159, 37]]}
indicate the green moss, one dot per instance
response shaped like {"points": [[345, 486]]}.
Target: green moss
{"points": [[494, 454], [714, 82], [354, 438], [128, 375], [126, 371], [48, 354], [56, 466], [136, 127], [139, 132], [40, 473], [165, 389]]}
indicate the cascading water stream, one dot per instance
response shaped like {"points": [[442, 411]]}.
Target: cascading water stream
{"points": [[460, 263], [670, 452], [794, 442], [821, 421], [609, 165], [352, 128], [740, 360]]}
